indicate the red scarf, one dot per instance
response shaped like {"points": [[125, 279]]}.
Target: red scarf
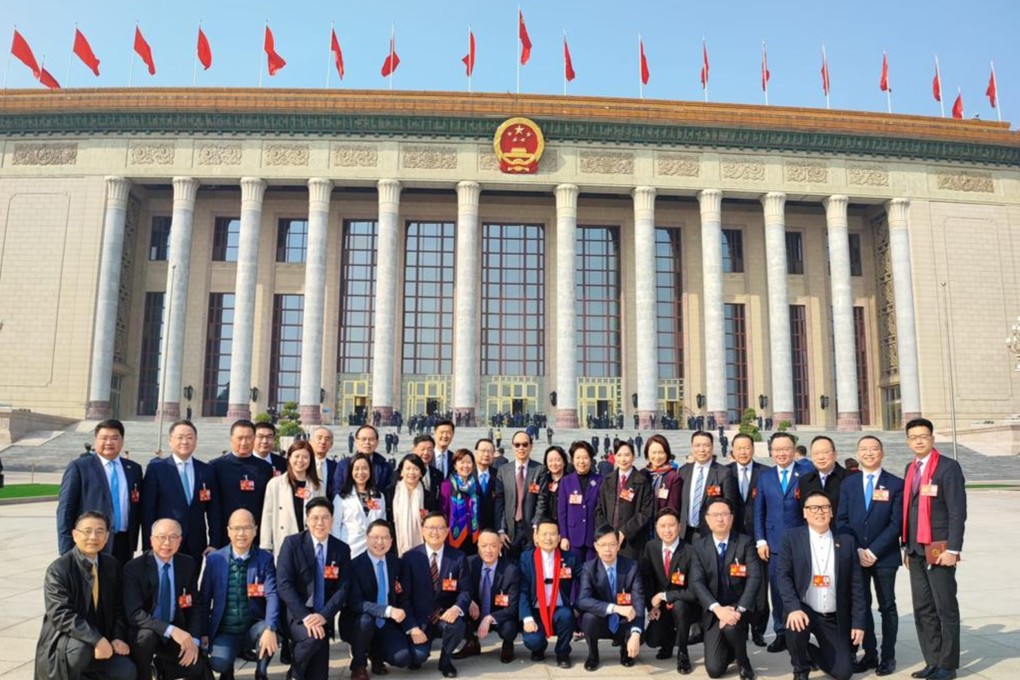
{"points": [[546, 609], [923, 502]]}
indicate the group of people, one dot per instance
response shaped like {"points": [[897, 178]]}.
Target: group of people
{"points": [[451, 545]]}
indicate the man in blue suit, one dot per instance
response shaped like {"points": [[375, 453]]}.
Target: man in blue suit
{"points": [[180, 487], [777, 509], [495, 590], [546, 603], [611, 600], [822, 588], [313, 578], [379, 608], [871, 510], [104, 482], [245, 575], [440, 590]]}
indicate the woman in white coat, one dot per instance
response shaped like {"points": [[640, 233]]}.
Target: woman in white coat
{"points": [[283, 512], [358, 504]]}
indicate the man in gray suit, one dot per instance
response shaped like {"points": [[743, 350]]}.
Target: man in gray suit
{"points": [[516, 496]]}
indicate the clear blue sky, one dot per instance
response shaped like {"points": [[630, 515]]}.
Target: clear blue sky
{"points": [[603, 34]]}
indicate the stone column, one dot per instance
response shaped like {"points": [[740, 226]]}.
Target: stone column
{"points": [[848, 414], [644, 278], [107, 299], [238, 401], [566, 297], [779, 307], [710, 201], [176, 307], [903, 292], [384, 354], [467, 287], [309, 404]]}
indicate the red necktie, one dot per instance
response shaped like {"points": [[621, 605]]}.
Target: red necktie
{"points": [[519, 514], [665, 562]]}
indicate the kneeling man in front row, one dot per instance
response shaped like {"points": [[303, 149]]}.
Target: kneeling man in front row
{"points": [[612, 600]]}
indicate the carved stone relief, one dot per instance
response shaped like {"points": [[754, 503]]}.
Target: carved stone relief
{"points": [[750, 170], [980, 182], [46, 153], [607, 163], [678, 165], [867, 175], [152, 153], [429, 157], [219, 153], [355, 156], [286, 154], [807, 172]]}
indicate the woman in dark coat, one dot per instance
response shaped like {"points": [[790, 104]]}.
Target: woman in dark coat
{"points": [[666, 481], [549, 480]]}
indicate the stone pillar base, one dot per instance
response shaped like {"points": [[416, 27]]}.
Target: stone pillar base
{"points": [[907, 416], [98, 410], [238, 412], [465, 415], [645, 419], [310, 414], [780, 416], [566, 418], [170, 410], [722, 419], [385, 415], [848, 421]]}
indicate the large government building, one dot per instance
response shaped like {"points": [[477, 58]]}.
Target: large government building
{"points": [[228, 251]]}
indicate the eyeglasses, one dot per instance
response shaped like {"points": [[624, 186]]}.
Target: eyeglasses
{"points": [[818, 509], [918, 437], [166, 538], [242, 530], [434, 529], [93, 533], [518, 445]]}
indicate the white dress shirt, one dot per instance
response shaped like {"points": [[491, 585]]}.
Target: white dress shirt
{"points": [[823, 563]]}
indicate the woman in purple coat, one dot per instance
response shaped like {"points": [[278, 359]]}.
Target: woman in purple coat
{"points": [[578, 495], [667, 484]]}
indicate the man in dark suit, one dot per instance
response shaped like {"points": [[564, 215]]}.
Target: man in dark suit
{"points": [[265, 442], [703, 478], [517, 496], [871, 510], [827, 475], [180, 487], [379, 608], [84, 631], [672, 605], [625, 503], [612, 600], [726, 578], [321, 439], [443, 459], [105, 482], [313, 579], [366, 440], [240, 482], [485, 452], [244, 576], [425, 449], [164, 607], [934, 510], [495, 590], [440, 589], [747, 472], [547, 594], [822, 588], [776, 510]]}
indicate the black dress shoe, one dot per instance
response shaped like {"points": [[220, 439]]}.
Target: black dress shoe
{"points": [[379, 667], [538, 656], [802, 675], [924, 672], [227, 674], [664, 653], [866, 662], [758, 639], [625, 660], [746, 673], [887, 667], [696, 639], [471, 648], [285, 656], [506, 654], [591, 663], [564, 662], [778, 645], [447, 670], [683, 663], [942, 674]]}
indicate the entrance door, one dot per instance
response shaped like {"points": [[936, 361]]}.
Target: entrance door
{"points": [[432, 406]]}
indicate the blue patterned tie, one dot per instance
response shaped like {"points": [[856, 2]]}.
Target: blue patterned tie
{"points": [[381, 594], [614, 619], [165, 596], [320, 578], [486, 595], [699, 491], [115, 495], [869, 491], [782, 480]]}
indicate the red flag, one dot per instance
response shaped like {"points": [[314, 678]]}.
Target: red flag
{"points": [[958, 107], [48, 80], [84, 51], [992, 91], [704, 65], [469, 58], [522, 32], [21, 50], [568, 64], [825, 74], [338, 56], [143, 50], [936, 84], [765, 73], [883, 83], [644, 63], [204, 51], [392, 60], [274, 60]]}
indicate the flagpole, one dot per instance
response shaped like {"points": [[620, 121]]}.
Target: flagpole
{"points": [[704, 65], [825, 65], [764, 72], [938, 76], [267, 56], [565, 62], [393, 34], [998, 101], [520, 48], [640, 80], [42, 65], [471, 60], [329, 54], [131, 70], [888, 83], [194, 73], [70, 56]]}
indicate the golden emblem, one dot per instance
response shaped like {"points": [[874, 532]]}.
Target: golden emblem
{"points": [[519, 144]]}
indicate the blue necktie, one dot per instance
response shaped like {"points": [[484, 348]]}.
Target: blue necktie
{"points": [[483, 479], [614, 619], [724, 586], [320, 578], [782, 480], [486, 591], [869, 491], [381, 594], [186, 482], [115, 495], [699, 490], [165, 596]]}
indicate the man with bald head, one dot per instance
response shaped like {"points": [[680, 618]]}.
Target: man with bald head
{"points": [[239, 589], [163, 607]]}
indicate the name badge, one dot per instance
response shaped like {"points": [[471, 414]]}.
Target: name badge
{"points": [[796, 493], [397, 588], [714, 490], [738, 570], [135, 496], [423, 512], [930, 490], [678, 578], [372, 504], [663, 493], [501, 600], [247, 484], [533, 488], [627, 495], [276, 473], [184, 601], [256, 590], [880, 495], [821, 581], [331, 572], [575, 499], [302, 492], [565, 572], [754, 492], [449, 585], [623, 598], [204, 495], [553, 486]]}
